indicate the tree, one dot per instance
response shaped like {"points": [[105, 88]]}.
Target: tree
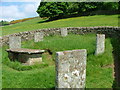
{"points": [[52, 9], [3, 23], [110, 6], [56, 10]]}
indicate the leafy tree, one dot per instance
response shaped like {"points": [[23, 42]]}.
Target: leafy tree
{"points": [[55, 10], [3, 23], [110, 6], [52, 9]]}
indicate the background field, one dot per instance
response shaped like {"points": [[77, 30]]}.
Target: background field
{"points": [[99, 68], [84, 21]]}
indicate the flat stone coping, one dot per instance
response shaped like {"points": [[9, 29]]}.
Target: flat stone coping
{"points": [[27, 51]]}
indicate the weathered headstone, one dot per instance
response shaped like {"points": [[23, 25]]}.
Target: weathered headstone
{"points": [[100, 44], [64, 32], [38, 36], [14, 42], [71, 69]]}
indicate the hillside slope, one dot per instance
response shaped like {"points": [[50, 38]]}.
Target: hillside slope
{"points": [[84, 21]]}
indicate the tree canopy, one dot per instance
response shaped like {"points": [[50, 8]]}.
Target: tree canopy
{"points": [[3, 23], [55, 10]]}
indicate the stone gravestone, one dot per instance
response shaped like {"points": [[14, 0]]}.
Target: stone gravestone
{"points": [[14, 42], [64, 32], [38, 36], [100, 44], [71, 69]]}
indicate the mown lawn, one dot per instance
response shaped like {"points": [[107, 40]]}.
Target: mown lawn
{"points": [[83, 21], [99, 75]]}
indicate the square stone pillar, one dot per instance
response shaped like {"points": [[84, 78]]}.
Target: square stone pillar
{"points": [[64, 32], [71, 69], [38, 36], [100, 44], [14, 42]]}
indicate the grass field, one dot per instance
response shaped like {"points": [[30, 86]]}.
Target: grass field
{"points": [[43, 76], [84, 21], [99, 68]]}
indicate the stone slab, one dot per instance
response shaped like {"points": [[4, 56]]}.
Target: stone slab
{"points": [[71, 69], [38, 36], [100, 44], [24, 50], [14, 42], [30, 59], [25, 56]]}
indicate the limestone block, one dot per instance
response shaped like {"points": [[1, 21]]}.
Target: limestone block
{"points": [[64, 32], [30, 59], [38, 36], [26, 56], [14, 42], [100, 44], [71, 69]]}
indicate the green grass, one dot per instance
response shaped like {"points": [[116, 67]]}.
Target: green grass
{"points": [[84, 21], [37, 78], [99, 74], [16, 76]]}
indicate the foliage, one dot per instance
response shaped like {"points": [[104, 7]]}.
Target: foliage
{"points": [[55, 10], [110, 6], [52, 9], [3, 23]]}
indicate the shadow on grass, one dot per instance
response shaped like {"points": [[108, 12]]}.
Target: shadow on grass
{"points": [[99, 12], [44, 21], [116, 54]]}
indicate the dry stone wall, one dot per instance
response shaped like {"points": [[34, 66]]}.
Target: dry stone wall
{"points": [[29, 35]]}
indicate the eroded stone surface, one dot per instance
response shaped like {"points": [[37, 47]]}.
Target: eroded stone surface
{"points": [[71, 69], [25, 50], [38, 36], [25, 56], [64, 32], [30, 59], [14, 42], [100, 44]]}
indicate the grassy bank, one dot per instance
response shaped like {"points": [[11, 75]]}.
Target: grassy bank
{"points": [[84, 21], [98, 67]]}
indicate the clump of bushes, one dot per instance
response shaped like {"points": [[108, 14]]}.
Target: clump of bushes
{"points": [[3, 23], [21, 20]]}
